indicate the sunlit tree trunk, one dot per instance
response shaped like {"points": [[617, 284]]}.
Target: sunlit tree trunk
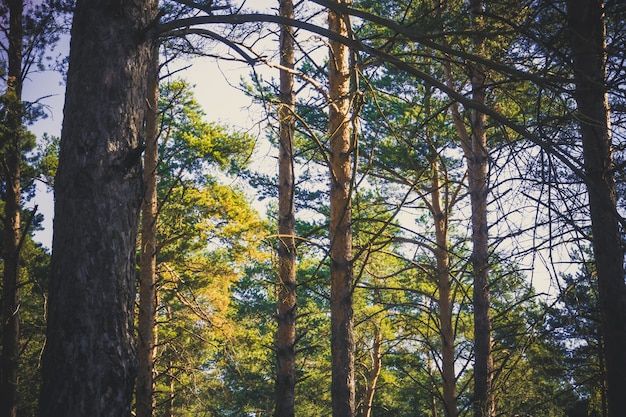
{"points": [[341, 272], [588, 43], [11, 159], [286, 314], [146, 320], [89, 363]]}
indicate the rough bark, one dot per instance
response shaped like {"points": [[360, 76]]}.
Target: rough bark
{"points": [[89, 364], [588, 43], [11, 160], [477, 178], [341, 272], [286, 314], [477, 157], [146, 320]]}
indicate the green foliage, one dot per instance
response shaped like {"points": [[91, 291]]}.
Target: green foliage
{"points": [[47, 158], [33, 283], [574, 326], [188, 144], [33, 294], [207, 237]]}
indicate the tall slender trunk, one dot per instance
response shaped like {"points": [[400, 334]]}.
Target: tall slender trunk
{"points": [[146, 320], [444, 300], [477, 158], [341, 273], [170, 378], [89, 363], [474, 145], [374, 373], [286, 314], [478, 190], [588, 43], [433, 390], [11, 160]]}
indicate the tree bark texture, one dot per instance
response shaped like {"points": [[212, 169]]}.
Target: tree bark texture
{"points": [[11, 159], [146, 320], [477, 158], [588, 43], [286, 314], [341, 273], [89, 363]]}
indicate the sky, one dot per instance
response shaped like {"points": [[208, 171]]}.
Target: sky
{"points": [[215, 88]]}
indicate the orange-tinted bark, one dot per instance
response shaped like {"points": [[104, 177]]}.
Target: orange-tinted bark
{"points": [[286, 311], [341, 268]]}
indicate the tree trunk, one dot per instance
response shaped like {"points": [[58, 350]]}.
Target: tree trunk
{"points": [[444, 301], [477, 161], [474, 146], [89, 363], [11, 160], [341, 275], [374, 374], [286, 314], [588, 42], [146, 320], [170, 378]]}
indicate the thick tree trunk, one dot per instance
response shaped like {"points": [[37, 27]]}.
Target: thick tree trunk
{"points": [[286, 314], [588, 42], [146, 320], [89, 363], [341, 275], [477, 162], [11, 152]]}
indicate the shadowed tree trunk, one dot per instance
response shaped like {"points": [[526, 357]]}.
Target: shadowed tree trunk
{"points": [[477, 157], [588, 42], [341, 273], [89, 363], [286, 314], [474, 145], [11, 159], [146, 320]]}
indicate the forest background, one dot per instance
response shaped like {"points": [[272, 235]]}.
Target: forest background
{"points": [[429, 163]]}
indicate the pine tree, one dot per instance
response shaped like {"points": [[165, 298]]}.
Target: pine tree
{"points": [[89, 363]]}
